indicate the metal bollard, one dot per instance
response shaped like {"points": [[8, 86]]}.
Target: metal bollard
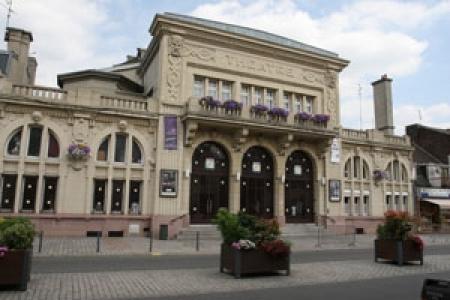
{"points": [[41, 234], [318, 237], [197, 241], [150, 246], [98, 241]]}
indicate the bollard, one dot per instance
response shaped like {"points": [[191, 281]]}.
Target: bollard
{"points": [[197, 241], [150, 245], [98, 241], [41, 234], [318, 237]]}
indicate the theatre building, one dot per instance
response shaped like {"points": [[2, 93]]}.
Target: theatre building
{"points": [[209, 115]]}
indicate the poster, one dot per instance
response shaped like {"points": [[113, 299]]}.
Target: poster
{"points": [[334, 190], [170, 132], [335, 151], [168, 183]]}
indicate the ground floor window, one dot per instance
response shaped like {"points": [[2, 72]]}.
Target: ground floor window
{"points": [[347, 205], [99, 195], [405, 203], [366, 205], [50, 187], [388, 202], [117, 196], [29, 193], [8, 192], [135, 197]]}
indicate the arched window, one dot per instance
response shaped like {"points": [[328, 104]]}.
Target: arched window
{"points": [[365, 170], [34, 141], [102, 154], [53, 146], [347, 168], [360, 168], [14, 143], [136, 153], [397, 171], [120, 154]]}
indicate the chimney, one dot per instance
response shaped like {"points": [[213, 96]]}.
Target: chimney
{"points": [[382, 96], [19, 45]]}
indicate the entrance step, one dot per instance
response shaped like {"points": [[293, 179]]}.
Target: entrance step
{"points": [[206, 232], [294, 230]]}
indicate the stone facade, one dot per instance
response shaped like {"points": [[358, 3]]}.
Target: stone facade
{"points": [[123, 113]]}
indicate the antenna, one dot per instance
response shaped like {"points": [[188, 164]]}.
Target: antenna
{"points": [[8, 7], [420, 115], [360, 105]]}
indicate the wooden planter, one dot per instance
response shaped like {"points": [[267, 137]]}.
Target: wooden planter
{"points": [[15, 268], [239, 262], [399, 252]]}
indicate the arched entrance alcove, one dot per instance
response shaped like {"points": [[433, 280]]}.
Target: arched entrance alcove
{"points": [[257, 182], [209, 182], [299, 188]]}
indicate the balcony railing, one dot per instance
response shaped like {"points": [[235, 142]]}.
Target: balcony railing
{"points": [[245, 114], [44, 93], [123, 103], [372, 135]]}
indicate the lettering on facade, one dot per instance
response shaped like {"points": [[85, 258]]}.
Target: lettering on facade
{"points": [[250, 64]]}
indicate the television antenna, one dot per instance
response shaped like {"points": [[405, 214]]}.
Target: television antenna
{"points": [[8, 6], [360, 105]]}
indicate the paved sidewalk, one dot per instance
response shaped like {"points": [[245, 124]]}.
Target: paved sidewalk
{"points": [[139, 284], [140, 245]]}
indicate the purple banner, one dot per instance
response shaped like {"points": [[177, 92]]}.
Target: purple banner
{"points": [[170, 132]]}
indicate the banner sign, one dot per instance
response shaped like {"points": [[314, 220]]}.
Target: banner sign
{"points": [[335, 151], [170, 132]]}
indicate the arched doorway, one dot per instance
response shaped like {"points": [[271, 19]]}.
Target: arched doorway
{"points": [[257, 183], [209, 182], [299, 188]]}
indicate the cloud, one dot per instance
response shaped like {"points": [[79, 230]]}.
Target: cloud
{"points": [[67, 35], [377, 36], [437, 115]]}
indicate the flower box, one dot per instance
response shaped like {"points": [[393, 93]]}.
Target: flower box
{"points": [[78, 151], [232, 106], [259, 110], [254, 261], [16, 268], [278, 113], [209, 103], [397, 251]]}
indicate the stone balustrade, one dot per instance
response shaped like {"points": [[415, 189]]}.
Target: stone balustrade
{"points": [[38, 92], [119, 102], [371, 135]]}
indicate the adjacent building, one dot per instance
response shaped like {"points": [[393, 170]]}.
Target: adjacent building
{"points": [[432, 165], [209, 115]]}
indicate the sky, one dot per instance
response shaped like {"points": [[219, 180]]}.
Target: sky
{"points": [[408, 40]]}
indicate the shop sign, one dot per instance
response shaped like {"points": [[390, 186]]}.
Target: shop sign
{"points": [[434, 193]]}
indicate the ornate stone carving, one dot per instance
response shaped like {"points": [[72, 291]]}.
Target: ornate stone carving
{"points": [[240, 138], [80, 131], [284, 143], [36, 116], [122, 125], [175, 67], [175, 45], [330, 79], [332, 105], [191, 131]]}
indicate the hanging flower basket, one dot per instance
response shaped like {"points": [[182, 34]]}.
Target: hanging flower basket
{"points": [[321, 118], [278, 113], [209, 102], [302, 116], [379, 175], [259, 109], [232, 106], [78, 151]]}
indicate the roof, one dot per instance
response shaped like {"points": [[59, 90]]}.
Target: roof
{"points": [[249, 32], [99, 74], [432, 145]]}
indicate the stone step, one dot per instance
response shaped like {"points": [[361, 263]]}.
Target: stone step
{"points": [[206, 232]]}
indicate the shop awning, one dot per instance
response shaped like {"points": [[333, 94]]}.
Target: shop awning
{"points": [[443, 203]]}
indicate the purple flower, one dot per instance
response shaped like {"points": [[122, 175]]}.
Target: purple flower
{"points": [[210, 102], [232, 105], [3, 250], [303, 116], [278, 111], [379, 175], [259, 108], [78, 151], [321, 118]]}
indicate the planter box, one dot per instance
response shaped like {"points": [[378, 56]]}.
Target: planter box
{"points": [[398, 251], [239, 262], [15, 268]]}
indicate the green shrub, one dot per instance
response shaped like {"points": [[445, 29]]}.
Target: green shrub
{"points": [[16, 233], [396, 226], [230, 227]]}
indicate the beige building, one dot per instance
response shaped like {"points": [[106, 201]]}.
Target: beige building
{"points": [[158, 140]]}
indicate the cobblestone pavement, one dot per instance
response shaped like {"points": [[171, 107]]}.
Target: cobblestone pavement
{"points": [[135, 284], [140, 245]]}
